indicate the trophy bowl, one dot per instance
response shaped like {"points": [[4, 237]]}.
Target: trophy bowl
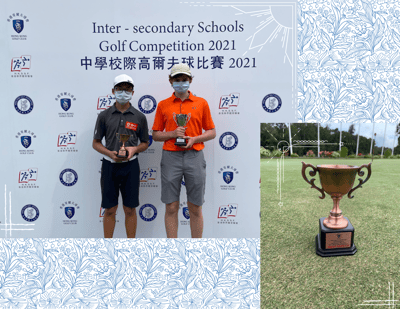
{"points": [[336, 180], [181, 120]]}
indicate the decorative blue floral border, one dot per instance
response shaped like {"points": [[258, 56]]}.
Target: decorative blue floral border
{"points": [[349, 60], [130, 273]]}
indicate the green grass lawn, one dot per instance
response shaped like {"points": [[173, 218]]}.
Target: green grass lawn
{"points": [[292, 275]]}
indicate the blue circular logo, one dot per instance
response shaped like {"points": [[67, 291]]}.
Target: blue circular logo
{"points": [[23, 104], [271, 103], [228, 140], [68, 177], [185, 211], [147, 104], [148, 212], [30, 213]]}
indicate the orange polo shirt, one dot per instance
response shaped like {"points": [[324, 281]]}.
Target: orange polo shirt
{"points": [[200, 118]]}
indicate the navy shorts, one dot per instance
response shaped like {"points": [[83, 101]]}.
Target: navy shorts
{"points": [[124, 177]]}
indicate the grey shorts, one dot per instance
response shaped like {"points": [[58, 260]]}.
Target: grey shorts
{"points": [[190, 165]]}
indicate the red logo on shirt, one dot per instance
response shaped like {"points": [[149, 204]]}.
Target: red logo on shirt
{"points": [[131, 126]]}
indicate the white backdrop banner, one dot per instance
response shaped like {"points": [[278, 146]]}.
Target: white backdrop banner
{"points": [[58, 67]]}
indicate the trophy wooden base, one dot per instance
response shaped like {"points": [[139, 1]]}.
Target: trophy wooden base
{"points": [[336, 242], [180, 142], [122, 154]]}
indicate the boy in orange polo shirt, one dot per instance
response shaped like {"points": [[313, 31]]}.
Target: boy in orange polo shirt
{"points": [[183, 161]]}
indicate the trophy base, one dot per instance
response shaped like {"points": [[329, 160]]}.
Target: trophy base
{"points": [[330, 242], [180, 142], [122, 154]]}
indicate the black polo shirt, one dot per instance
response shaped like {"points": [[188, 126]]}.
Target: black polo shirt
{"points": [[111, 121]]}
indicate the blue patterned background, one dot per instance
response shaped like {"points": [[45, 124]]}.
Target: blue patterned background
{"points": [[125, 273], [348, 60]]}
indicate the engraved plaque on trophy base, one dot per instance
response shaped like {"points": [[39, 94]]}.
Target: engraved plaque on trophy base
{"points": [[335, 242], [180, 142]]}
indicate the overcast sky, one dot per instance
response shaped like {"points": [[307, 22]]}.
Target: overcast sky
{"points": [[366, 130]]}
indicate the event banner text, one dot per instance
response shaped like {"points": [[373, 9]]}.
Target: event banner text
{"points": [[152, 55]]}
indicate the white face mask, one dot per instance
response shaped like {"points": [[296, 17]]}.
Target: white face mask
{"points": [[180, 87], [123, 96]]}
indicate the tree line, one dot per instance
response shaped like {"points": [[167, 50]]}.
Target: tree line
{"points": [[274, 133]]}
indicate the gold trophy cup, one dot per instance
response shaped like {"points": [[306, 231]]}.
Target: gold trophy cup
{"points": [[123, 152]]}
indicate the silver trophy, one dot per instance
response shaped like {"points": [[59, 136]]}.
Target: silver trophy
{"points": [[181, 120]]}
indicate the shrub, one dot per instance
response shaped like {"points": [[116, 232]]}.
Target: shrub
{"points": [[392, 157], [343, 152], [276, 153], [294, 155], [352, 156], [325, 153], [368, 156], [310, 153], [265, 152], [377, 156], [360, 154], [387, 153], [335, 154], [398, 156]]}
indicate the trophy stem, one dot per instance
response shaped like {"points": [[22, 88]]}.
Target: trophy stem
{"points": [[336, 220]]}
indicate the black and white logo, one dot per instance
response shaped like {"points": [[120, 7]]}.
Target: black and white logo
{"points": [[228, 140], [30, 213], [23, 104], [68, 177], [147, 104]]}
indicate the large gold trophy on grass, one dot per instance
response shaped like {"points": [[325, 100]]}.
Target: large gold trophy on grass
{"points": [[336, 233]]}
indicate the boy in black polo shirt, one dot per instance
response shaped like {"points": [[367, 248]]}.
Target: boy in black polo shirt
{"points": [[120, 173]]}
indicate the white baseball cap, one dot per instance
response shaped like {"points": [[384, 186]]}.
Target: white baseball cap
{"points": [[123, 78], [180, 68]]}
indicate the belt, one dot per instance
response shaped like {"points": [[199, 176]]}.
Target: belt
{"points": [[112, 161]]}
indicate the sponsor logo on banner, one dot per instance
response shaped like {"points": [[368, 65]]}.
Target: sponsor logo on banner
{"points": [[147, 104], [27, 178], [69, 209], [227, 214], [185, 213], [228, 173], [228, 140], [102, 211], [228, 104], [20, 66], [150, 149], [271, 103], [25, 138], [66, 140], [23, 104], [68, 177], [65, 100], [148, 212], [148, 177], [105, 102], [18, 23], [30, 213]]}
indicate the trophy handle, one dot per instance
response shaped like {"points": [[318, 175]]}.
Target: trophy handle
{"points": [[174, 116], [361, 182], [188, 118], [312, 174]]}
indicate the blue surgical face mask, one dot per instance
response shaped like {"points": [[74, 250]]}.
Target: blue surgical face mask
{"points": [[181, 87], [123, 96]]}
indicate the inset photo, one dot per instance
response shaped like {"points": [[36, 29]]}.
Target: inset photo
{"points": [[330, 221]]}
